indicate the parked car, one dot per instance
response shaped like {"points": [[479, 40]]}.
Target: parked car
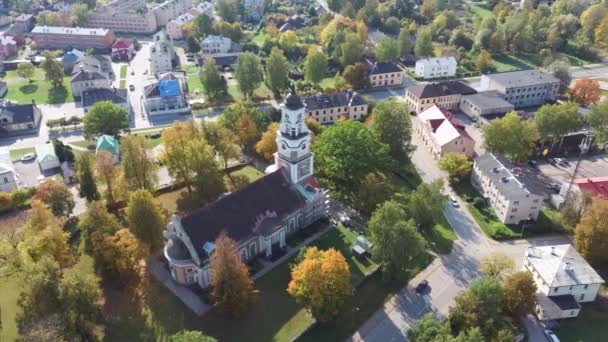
{"points": [[28, 157], [454, 202], [422, 286], [131, 87], [554, 186], [551, 336], [562, 162], [533, 164]]}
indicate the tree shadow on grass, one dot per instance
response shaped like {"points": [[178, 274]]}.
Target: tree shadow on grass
{"points": [[57, 95], [28, 88]]}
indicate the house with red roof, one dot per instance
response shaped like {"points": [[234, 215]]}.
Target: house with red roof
{"points": [[123, 49], [442, 133], [597, 186], [8, 46]]}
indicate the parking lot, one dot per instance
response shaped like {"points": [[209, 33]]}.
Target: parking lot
{"points": [[591, 166], [28, 172]]}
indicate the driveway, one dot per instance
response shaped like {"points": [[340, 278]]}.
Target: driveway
{"points": [[447, 275]]}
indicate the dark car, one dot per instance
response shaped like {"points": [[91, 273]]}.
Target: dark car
{"points": [[533, 164], [552, 161], [422, 286]]}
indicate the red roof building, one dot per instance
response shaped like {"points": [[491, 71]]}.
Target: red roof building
{"points": [[123, 49], [597, 186]]}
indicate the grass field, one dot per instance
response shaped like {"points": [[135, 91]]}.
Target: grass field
{"points": [[590, 323], [22, 91], [195, 86], [122, 84], [10, 288], [123, 71], [20, 152], [511, 63]]}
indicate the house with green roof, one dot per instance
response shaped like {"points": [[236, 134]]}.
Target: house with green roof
{"points": [[110, 144]]}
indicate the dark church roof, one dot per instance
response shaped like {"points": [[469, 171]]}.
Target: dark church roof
{"points": [[293, 101], [239, 213]]}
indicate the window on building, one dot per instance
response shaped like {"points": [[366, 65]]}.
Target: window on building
{"points": [[586, 287], [581, 297], [556, 289]]}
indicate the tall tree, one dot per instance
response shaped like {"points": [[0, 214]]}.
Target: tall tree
{"points": [[561, 71], [145, 219], [276, 71], [510, 136], [26, 70], [53, 70], [179, 148], [427, 329], [234, 112], [586, 92], [555, 121], [80, 297], [212, 82], [425, 204], [315, 66], [222, 140], [267, 145], [483, 62], [232, 287], [480, 305], [387, 49], [208, 180], [391, 123], [105, 117], [79, 14], [390, 230], [227, 9], [120, 255], [405, 42], [351, 49], [84, 176], [203, 24], [347, 152], [321, 282], [424, 42], [520, 293], [139, 170], [248, 73], [497, 265], [591, 234], [598, 120], [247, 132], [95, 224], [40, 296], [108, 173], [373, 191], [356, 75], [56, 196], [456, 165]]}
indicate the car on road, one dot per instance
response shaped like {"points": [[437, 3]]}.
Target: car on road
{"points": [[551, 336], [131, 87], [453, 202], [533, 164], [422, 286], [554, 186], [562, 162], [28, 157]]}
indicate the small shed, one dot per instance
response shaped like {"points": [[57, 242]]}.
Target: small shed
{"points": [[110, 144], [46, 157]]}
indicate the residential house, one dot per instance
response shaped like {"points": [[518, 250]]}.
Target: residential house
{"points": [[8, 46], [175, 27], [563, 280], [18, 119], [513, 192], [46, 157], [168, 95], [382, 74], [254, 9], [487, 104], [70, 59], [445, 94], [8, 177], [523, 88], [442, 133], [288, 199], [436, 67], [329, 108], [56, 37], [123, 49], [215, 45], [162, 53], [109, 144], [131, 16], [169, 10], [86, 77], [93, 95]]}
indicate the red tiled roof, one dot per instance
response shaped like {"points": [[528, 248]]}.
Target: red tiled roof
{"points": [[121, 44], [597, 186]]}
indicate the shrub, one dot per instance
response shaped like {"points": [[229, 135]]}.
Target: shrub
{"points": [[6, 201], [478, 202], [22, 197]]}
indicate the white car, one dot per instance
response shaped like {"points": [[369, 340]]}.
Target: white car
{"points": [[28, 157], [551, 336], [454, 202]]}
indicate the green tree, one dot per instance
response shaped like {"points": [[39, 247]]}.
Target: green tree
{"points": [[212, 81], [227, 9], [374, 190], [425, 204], [456, 165], [53, 70], [351, 49], [427, 329], [315, 66], [108, 174], [390, 232], [85, 177], [95, 224], [510, 136], [203, 24], [346, 153], [277, 71], [405, 42], [80, 297], [26, 70], [208, 180], [561, 70], [387, 49], [190, 336], [236, 111], [391, 123], [335, 5], [79, 14], [484, 62], [480, 305], [145, 219], [497, 265], [554, 122], [56, 196], [222, 140], [598, 120], [139, 170], [591, 233], [248, 73], [356, 75], [105, 117], [40, 297], [520, 293], [424, 42]]}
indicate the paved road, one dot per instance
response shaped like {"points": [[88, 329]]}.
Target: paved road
{"points": [[448, 275]]}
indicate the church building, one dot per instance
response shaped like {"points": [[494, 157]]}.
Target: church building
{"points": [[261, 216]]}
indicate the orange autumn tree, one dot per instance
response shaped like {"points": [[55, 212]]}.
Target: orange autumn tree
{"points": [[267, 145], [586, 92], [232, 288], [321, 282]]}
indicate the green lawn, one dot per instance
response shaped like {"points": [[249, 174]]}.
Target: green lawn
{"points": [[194, 82], [480, 11], [122, 84], [123, 71], [589, 325], [329, 82], [20, 152], [22, 91], [10, 288], [511, 63], [259, 38], [250, 172]]}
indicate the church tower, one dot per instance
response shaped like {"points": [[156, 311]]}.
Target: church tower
{"points": [[293, 140]]}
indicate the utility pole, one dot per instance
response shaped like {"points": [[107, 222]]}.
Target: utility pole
{"points": [[584, 147]]}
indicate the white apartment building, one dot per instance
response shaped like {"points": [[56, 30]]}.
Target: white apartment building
{"points": [[215, 44], [175, 27], [436, 67], [162, 53], [445, 94], [563, 280], [513, 192], [169, 10], [523, 88], [329, 108]]}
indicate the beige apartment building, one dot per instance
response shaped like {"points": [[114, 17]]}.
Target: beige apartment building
{"points": [[513, 192], [169, 10], [124, 16], [56, 37], [443, 94], [382, 74], [329, 108], [441, 133]]}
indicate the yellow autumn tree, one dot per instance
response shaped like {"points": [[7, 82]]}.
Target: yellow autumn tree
{"points": [[247, 132], [591, 233], [267, 145], [321, 282]]}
